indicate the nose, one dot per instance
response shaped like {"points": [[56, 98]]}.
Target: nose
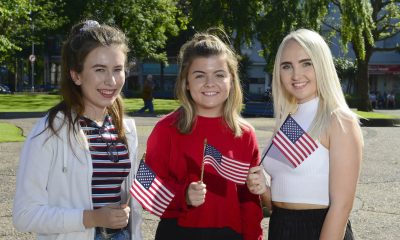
{"points": [[296, 74], [209, 81], [110, 80]]}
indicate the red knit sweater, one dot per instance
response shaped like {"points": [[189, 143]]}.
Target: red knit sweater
{"points": [[177, 159]]}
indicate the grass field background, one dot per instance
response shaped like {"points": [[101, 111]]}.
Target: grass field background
{"points": [[42, 102]]}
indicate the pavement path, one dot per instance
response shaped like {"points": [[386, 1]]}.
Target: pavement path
{"points": [[376, 212]]}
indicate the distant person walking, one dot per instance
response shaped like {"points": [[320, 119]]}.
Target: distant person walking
{"points": [[147, 95], [391, 101]]}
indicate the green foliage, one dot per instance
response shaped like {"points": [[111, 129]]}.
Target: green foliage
{"points": [[345, 68], [362, 24], [237, 17], [356, 24], [147, 23], [281, 17], [16, 31]]}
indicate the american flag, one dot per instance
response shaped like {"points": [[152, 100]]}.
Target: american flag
{"points": [[293, 142], [149, 190], [230, 169]]}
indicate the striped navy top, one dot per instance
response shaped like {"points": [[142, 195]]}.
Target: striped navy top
{"points": [[110, 159]]}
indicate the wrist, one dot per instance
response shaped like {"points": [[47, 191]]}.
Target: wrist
{"points": [[89, 217]]}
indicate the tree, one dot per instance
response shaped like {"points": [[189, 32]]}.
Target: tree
{"points": [[147, 23], [25, 21], [283, 16], [363, 24], [236, 17], [346, 70]]}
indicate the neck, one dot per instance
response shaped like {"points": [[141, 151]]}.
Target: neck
{"points": [[97, 117]]}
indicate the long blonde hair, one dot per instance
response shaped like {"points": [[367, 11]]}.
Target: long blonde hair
{"points": [[329, 91], [206, 45]]}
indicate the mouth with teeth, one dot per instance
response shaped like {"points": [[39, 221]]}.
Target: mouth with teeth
{"points": [[299, 85], [107, 93], [210, 93]]}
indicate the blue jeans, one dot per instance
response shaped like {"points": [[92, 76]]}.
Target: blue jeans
{"points": [[148, 104], [121, 235]]}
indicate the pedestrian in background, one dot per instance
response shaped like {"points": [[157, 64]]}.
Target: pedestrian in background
{"points": [[315, 155], [210, 207], [391, 100], [76, 165], [147, 95]]}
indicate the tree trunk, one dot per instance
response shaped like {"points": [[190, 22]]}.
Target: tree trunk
{"points": [[364, 103]]}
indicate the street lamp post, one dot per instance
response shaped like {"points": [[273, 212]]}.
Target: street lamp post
{"points": [[32, 57]]}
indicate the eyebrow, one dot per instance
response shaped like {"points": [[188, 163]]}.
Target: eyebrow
{"points": [[104, 66], [301, 61], [217, 71]]}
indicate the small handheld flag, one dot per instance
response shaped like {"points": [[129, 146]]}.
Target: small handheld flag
{"points": [[293, 142], [150, 191], [230, 169]]}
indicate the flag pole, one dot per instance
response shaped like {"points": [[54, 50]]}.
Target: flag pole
{"points": [[270, 145], [129, 195], [202, 164], [272, 138]]}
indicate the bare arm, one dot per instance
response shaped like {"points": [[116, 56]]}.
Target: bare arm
{"points": [[345, 154]]}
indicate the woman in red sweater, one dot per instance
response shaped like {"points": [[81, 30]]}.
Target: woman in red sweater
{"points": [[213, 204]]}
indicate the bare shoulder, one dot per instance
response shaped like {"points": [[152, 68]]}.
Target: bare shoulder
{"points": [[344, 128]]}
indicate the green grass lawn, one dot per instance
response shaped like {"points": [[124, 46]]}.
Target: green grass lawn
{"points": [[10, 133], [374, 115], [42, 102]]}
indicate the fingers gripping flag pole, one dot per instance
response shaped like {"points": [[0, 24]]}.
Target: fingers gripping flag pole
{"points": [[150, 191], [230, 169]]}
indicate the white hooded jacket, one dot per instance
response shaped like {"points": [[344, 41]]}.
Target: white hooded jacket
{"points": [[54, 183]]}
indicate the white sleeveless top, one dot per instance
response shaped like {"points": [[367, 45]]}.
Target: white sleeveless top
{"points": [[309, 181]]}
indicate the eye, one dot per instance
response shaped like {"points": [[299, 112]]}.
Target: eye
{"points": [[99, 69], [307, 64], [220, 75], [118, 70], [198, 76], [286, 66]]}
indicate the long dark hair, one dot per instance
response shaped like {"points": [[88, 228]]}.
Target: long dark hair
{"points": [[84, 38]]}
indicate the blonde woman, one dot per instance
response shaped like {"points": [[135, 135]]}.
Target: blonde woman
{"points": [[212, 206], [312, 198]]}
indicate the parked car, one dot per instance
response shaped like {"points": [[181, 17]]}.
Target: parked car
{"points": [[4, 89]]}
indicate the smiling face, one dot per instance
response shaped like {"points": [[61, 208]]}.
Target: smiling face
{"points": [[209, 82], [101, 79], [297, 72]]}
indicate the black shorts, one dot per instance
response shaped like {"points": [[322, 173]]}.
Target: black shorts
{"points": [[168, 229], [286, 224]]}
